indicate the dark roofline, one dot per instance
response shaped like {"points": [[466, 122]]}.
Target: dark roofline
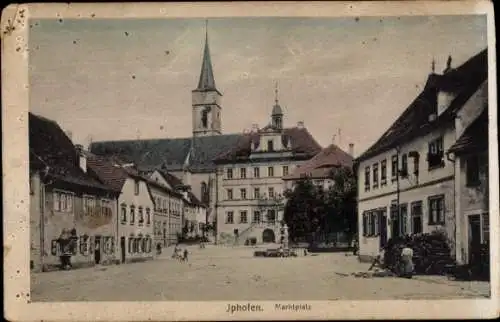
{"points": [[454, 81]]}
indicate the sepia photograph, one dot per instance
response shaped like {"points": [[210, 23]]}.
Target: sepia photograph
{"points": [[258, 162]]}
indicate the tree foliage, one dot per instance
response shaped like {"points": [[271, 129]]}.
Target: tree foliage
{"points": [[310, 211]]}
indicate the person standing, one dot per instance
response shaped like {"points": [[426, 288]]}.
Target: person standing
{"points": [[185, 255], [407, 261]]}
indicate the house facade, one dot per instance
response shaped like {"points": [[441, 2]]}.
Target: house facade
{"points": [[406, 182], [250, 200], [172, 204], [135, 207], [71, 213], [470, 154]]}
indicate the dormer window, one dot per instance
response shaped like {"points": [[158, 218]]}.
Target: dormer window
{"points": [[270, 146], [136, 187]]}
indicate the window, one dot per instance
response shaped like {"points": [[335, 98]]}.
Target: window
{"points": [[383, 172], [243, 217], [148, 216], [136, 187], [141, 216], [229, 173], [416, 217], [88, 205], [472, 169], [132, 215], [271, 215], [106, 208], [124, 214], [256, 217], [205, 195], [403, 213], [243, 194], [229, 217], [375, 175], [131, 245], [285, 170], [270, 146], [270, 172], [230, 194], [435, 155], [404, 165], [271, 192], [436, 210], [256, 193], [367, 178], [256, 172], [394, 167], [243, 173], [371, 223], [63, 201]]}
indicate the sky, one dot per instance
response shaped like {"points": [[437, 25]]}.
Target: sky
{"points": [[119, 79]]}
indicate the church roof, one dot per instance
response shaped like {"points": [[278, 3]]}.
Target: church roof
{"points": [[463, 81], [207, 80], [277, 110], [302, 145], [321, 165], [171, 153]]}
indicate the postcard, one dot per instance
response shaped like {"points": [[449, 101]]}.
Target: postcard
{"points": [[250, 161]]}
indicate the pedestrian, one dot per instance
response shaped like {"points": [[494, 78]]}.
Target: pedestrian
{"points": [[158, 249], [175, 255], [379, 259], [407, 261], [185, 258], [281, 252]]}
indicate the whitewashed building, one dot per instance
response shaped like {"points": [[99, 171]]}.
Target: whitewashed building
{"points": [[406, 182]]}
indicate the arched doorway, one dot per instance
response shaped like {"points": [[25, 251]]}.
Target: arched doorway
{"points": [[268, 236]]}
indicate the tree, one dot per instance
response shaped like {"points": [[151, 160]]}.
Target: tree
{"points": [[342, 202], [299, 208]]}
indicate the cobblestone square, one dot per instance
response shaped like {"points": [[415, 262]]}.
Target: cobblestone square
{"points": [[232, 273]]}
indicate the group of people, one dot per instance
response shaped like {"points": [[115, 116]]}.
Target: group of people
{"points": [[180, 254], [404, 267]]}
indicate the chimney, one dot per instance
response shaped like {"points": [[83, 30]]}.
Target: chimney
{"points": [[82, 158], [333, 138], [351, 149], [300, 124]]}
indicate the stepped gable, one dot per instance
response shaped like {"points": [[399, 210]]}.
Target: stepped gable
{"points": [[321, 165], [52, 151], [464, 81], [302, 145]]}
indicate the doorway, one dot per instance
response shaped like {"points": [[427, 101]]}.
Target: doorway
{"points": [[97, 249], [123, 248], [268, 236], [474, 239]]}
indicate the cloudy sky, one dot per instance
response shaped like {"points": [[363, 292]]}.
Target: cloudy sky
{"points": [[123, 79]]}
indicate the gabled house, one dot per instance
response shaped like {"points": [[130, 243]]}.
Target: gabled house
{"points": [[135, 206], [250, 200], [319, 168], [406, 183], [71, 213], [470, 154]]}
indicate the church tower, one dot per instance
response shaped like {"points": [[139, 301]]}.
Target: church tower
{"points": [[206, 99]]}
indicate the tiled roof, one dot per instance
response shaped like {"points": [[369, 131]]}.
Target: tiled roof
{"points": [[155, 153], [173, 181], [107, 171], [321, 164], [464, 81], [51, 147], [475, 137], [302, 143]]}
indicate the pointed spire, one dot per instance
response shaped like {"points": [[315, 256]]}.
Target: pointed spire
{"points": [[433, 65], [207, 81]]}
